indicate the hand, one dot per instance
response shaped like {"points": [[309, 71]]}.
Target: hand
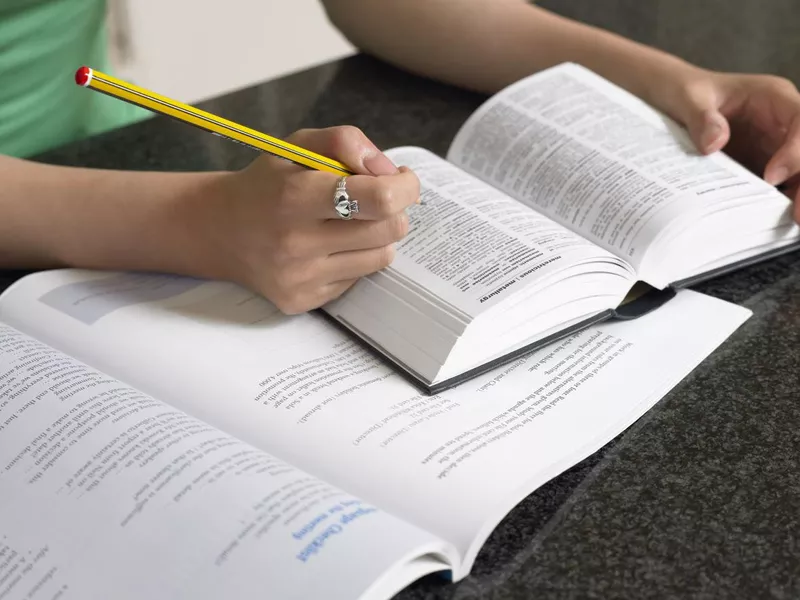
{"points": [[755, 118], [274, 229]]}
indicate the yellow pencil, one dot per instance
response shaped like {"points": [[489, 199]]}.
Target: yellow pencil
{"points": [[134, 94]]}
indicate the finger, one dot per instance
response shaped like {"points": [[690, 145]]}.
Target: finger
{"points": [[785, 163], [378, 198], [337, 236], [381, 198], [699, 112], [313, 297], [358, 263], [710, 132], [333, 290], [346, 144], [792, 190]]}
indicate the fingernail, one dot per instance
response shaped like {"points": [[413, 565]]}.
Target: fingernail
{"points": [[379, 164], [778, 176]]}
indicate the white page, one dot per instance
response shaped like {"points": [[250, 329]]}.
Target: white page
{"points": [[300, 389], [108, 493], [598, 160], [469, 248], [472, 246]]}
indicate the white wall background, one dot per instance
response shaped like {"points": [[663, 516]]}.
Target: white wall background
{"points": [[194, 49]]}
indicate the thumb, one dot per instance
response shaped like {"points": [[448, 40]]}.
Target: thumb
{"points": [[708, 128], [710, 131], [346, 144]]}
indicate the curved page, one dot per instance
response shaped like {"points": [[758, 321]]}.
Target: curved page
{"points": [[601, 162], [452, 463], [106, 492]]}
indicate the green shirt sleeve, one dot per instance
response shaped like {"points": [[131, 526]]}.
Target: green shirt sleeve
{"points": [[42, 44]]}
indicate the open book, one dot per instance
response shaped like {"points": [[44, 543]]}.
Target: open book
{"points": [[558, 195], [164, 437]]}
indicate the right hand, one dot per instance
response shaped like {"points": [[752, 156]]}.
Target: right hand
{"points": [[274, 228]]}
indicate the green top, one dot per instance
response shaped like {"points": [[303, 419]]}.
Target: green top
{"points": [[42, 44]]}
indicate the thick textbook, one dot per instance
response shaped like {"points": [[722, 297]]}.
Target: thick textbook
{"points": [[561, 199], [163, 437]]}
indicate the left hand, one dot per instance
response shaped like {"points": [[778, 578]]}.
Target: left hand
{"points": [[754, 118]]}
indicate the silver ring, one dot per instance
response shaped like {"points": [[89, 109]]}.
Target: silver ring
{"points": [[345, 207]]}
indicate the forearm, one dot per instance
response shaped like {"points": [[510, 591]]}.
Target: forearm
{"points": [[57, 216], [488, 44]]}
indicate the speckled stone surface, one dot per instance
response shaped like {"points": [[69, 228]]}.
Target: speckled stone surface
{"points": [[699, 499]]}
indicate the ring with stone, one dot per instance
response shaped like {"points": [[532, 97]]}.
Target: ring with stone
{"points": [[345, 207]]}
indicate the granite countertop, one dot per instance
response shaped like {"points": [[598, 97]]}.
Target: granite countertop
{"points": [[700, 498]]}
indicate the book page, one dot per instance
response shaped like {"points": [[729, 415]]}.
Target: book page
{"points": [[300, 389], [109, 493], [472, 245], [597, 160]]}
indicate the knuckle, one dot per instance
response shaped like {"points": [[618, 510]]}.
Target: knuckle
{"points": [[696, 90], [349, 132], [346, 137], [320, 297], [392, 194], [301, 134], [398, 227], [289, 296], [384, 198], [291, 304], [291, 190], [296, 276], [781, 84], [284, 281], [290, 245], [385, 257]]}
